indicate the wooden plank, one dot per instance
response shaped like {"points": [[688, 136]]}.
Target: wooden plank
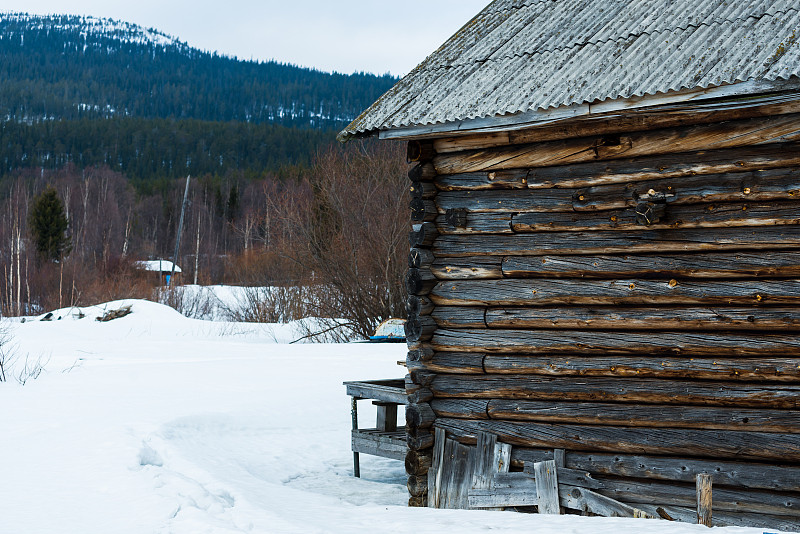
{"points": [[477, 223], [474, 268], [547, 488], [461, 408], [639, 492], [767, 476], [691, 344], [667, 441], [779, 369], [645, 118], [489, 459], [630, 170], [436, 470], [386, 416], [379, 444], [631, 291], [722, 215], [664, 141], [628, 318], [704, 499], [453, 362], [459, 317], [587, 500], [620, 390], [752, 187], [619, 242], [640, 415], [383, 390], [777, 264]]}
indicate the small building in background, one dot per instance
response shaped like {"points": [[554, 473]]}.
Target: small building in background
{"points": [[162, 267]]}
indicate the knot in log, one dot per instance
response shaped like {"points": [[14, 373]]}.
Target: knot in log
{"points": [[648, 213]]}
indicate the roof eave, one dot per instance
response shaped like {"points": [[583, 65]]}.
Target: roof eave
{"points": [[542, 117]]}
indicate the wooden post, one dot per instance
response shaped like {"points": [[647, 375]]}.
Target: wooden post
{"points": [[704, 499], [547, 487], [387, 416], [354, 415]]}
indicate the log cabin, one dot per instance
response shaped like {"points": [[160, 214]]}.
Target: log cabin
{"points": [[604, 274]]}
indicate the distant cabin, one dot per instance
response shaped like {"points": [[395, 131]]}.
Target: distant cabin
{"points": [[163, 268], [604, 273]]}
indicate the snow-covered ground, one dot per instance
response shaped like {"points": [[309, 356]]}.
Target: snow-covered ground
{"points": [[155, 423]]}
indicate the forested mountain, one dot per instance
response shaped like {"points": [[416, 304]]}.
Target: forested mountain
{"points": [[67, 67], [90, 92]]}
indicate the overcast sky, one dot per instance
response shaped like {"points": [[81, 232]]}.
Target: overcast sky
{"points": [[346, 35]]}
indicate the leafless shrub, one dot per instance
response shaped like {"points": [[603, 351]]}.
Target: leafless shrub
{"points": [[352, 234], [199, 304], [7, 351], [31, 369], [278, 304]]}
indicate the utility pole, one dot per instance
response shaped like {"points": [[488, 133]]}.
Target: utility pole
{"points": [[180, 229]]}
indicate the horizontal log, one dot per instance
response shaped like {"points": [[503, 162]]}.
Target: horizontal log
{"points": [[419, 396], [422, 210], [419, 415], [417, 485], [419, 327], [723, 215], [551, 342], [475, 268], [419, 355], [724, 473], [418, 462], [621, 390], [630, 170], [786, 369], [641, 415], [459, 317], [729, 500], [623, 318], [775, 264], [665, 116], [421, 441], [619, 242], [529, 292], [419, 305], [422, 235], [420, 258], [421, 377], [461, 408], [477, 223], [453, 362], [419, 282], [422, 172], [418, 502], [785, 128], [420, 150], [754, 186], [422, 190], [713, 444]]}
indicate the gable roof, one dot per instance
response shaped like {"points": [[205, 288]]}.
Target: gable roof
{"points": [[518, 56]]}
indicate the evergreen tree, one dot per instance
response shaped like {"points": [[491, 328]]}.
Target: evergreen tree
{"points": [[48, 225]]}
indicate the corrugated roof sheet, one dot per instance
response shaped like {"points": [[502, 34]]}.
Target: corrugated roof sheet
{"points": [[523, 55]]}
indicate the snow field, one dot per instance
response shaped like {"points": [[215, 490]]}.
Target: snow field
{"points": [[155, 423]]}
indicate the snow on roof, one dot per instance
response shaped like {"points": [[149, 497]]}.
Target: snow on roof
{"points": [[519, 56], [163, 266]]}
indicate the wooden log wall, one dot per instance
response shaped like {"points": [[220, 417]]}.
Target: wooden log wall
{"points": [[627, 298]]}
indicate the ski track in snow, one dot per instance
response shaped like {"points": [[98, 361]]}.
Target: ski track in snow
{"points": [[154, 423]]}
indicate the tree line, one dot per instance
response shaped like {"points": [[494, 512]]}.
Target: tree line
{"points": [[338, 227]]}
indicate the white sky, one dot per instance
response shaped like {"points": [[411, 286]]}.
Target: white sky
{"points": [[347, 35]]}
